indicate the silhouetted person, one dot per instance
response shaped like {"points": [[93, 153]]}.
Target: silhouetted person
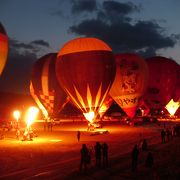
{"points": [[135, 153], [163, 136], [45, 124], [26, 135], [144, 145], [168, 134], [17, 133], [174, 131], [78, 135], [84, 157], [97, 148], [90, 154], [31, 134], [105, 154], [164, 125], [149, 160], [50, 124]]}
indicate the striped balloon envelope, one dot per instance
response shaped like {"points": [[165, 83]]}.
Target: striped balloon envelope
{"points": [[3, 47], [45, 89], [85, 68]]}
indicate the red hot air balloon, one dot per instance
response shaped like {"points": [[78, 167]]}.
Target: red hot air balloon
{"points": [[85, 67], [162, 82], [130, 81], [45, 89], [3, 47]]}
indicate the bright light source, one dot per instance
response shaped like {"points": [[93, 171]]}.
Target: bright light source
{"points": [[31, 115], [172, 107], [89, 116], [55, 140], [103, 109], [16, 114]]}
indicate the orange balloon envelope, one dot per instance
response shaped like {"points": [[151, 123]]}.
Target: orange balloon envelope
{"points": [[44, 87], [130, 81], [3, 47], [85, 68]]}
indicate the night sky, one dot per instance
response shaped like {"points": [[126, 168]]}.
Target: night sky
{"points": [[37, 27]]}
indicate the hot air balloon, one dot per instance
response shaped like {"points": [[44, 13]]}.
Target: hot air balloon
{"points": [[3, 47], [85, 68], [45, 89], [163, 81], [130, 81]]}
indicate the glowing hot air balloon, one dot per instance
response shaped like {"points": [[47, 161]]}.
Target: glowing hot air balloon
{"points": [[85, 68], [45, 89], [163, 82], [3, 47], [130, 81]]}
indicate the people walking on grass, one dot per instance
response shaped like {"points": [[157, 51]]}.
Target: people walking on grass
{"points": [[105, 154], [78, 135], [97, 148], [163, 136], [84, 157], [134, 156]]}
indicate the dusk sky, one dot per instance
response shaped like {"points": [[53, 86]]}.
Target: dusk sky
{"points": [[37, 27]]}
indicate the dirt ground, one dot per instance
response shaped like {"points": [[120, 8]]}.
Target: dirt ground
{"points": [[56, 154]]}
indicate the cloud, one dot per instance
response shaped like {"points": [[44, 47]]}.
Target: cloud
{"points": [[19, 65], [15, 44], [114, 25], [79, 6], [70, 9], [36, 46], [119, 8], [40, 43], [17, 71]]}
